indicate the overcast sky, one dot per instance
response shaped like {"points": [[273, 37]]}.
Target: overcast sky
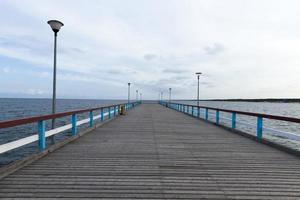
{"points": [[245, 49]]}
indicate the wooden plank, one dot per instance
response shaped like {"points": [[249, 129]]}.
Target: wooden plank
{"points": [[157, 153]]}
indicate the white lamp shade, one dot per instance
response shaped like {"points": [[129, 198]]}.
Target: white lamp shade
{"points": [[55, 25]]}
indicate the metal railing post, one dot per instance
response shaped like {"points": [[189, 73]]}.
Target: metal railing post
{"points": [[108, 112], [192, 110], [91, 119], [206, 113], [102, 115], [233, 121], [74, 124], [198, 112], [41, 132], [217, 117], [259, 128]]}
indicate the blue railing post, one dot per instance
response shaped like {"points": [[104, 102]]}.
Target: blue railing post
{"points": [[217, 117], [91, 119], [74, 124], [259, 128], [233, 121], [192, 110], [42, 137], [102, 115], [206, 113], [198, 112], [114, 111], [108, 112]]}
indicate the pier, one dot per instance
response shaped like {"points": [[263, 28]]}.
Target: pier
{"points": [[154, 152]]}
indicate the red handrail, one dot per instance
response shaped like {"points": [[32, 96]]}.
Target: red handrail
{"points": [[276, 117], [28, 120]]}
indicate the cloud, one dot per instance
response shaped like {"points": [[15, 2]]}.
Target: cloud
{"points": [[150, 57], [174, 71], [35, 92], [5, 70], [154, 47], [214, 49]]}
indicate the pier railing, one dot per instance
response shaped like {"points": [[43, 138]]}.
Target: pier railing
{"points": [[106, 112], [195, 111]]}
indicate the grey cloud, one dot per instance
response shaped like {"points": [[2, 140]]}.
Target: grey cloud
{"points": [[150, 57], [214, 49], [175, 71], [113, 71]]}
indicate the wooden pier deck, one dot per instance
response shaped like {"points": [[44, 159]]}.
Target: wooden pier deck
{"points": [[157, 153]]}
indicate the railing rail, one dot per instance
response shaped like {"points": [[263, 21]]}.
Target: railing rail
{"points": [[190, 109], [105, 111]]}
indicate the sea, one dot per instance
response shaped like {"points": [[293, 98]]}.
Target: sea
{"points": [[15, 108]]}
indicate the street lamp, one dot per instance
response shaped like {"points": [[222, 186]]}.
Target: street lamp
{"points": [[55, 25], [128, 92], [170, 90], [137, 95], [198, 76]]}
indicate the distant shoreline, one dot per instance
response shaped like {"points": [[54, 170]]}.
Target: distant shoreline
{"points": [[274, 100], [288, 100]]}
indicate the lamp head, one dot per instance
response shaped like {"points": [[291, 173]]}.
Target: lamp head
{"points": [[198, 73], [55, 25], [128, 84]]}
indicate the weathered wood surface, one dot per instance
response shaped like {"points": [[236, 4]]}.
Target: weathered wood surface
{"points": [[158, 153]]}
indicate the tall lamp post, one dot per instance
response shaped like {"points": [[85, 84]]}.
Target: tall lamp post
{"points": [[170, 91], [137, 95], [198, 76], [55, 26], [128, 92]]}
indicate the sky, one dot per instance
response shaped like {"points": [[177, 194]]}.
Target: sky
{"points": [[244, 48]]}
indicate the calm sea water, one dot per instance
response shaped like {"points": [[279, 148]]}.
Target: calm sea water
{"points": [[19, 108]]}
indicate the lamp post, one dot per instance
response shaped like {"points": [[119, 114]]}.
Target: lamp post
{"points": [[55, 26], [140, 96], [170, 91], [128, 92], [161, 95], [137, 95], [198, 76]]}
